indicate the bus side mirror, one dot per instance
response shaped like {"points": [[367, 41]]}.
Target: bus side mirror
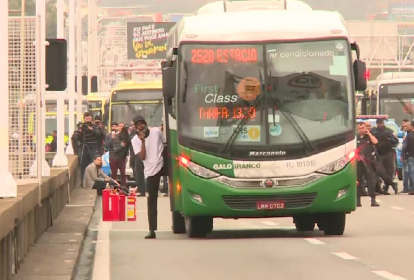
{"points": [[359, 73], [168, 80]]}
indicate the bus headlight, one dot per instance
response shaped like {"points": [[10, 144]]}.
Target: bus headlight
{"points": [[197, 169], [338, 164]]}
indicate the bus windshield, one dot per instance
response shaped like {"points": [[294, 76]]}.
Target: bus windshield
{"points": [[51, 124], [152, 112], [285, 93], [397, 108]]}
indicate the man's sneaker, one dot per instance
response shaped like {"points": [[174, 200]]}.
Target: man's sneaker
{"points": [[151, 235]]}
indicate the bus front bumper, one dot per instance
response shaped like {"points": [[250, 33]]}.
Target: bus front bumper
{"points": [[208, 197]]}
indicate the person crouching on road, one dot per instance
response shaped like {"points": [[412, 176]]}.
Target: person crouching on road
{"points": [[365, 159], [95, 178], [148, 144], [118, 145]]}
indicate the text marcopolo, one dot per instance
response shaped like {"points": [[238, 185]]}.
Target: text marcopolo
{"points": [[301, 54]]}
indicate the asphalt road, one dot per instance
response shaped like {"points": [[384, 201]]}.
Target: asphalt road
{"points": [[378, 244]]}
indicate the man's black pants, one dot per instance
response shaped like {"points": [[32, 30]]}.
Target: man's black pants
{"points": [[153, 185], [365, 171]]}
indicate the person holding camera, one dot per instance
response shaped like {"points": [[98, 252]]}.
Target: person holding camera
{"points": [[365, 164], [385, 149], [87, 138], [148, 144]]}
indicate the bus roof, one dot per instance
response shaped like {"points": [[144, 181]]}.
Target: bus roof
{"points": [[262, 25], [395, 75], [395, 81], [50, 96], [124, 85], [235, 6]]}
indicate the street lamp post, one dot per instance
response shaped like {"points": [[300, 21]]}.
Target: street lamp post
{"points": [[71, 79], [60, 158], [8, 187], [79, 60]]}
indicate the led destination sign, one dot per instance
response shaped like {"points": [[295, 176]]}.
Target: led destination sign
{"points": [[222, 55], [214, 113]]}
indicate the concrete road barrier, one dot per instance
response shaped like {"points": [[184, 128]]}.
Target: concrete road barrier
{"points": [[23, 220]]}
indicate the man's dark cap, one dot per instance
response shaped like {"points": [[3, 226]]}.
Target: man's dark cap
{"points": [[139, 118], [114, 123]]}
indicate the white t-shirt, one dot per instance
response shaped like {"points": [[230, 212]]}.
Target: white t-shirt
{"points": [[154, 146]]}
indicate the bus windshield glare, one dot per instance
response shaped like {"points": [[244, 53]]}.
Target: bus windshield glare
{"points": [[152, 112], [283, 92], [398, 107]]}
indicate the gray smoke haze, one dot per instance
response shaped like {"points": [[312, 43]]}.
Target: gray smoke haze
{"points": [[350, 9]]}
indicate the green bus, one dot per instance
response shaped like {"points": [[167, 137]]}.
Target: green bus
{"points": [[260, 119]]}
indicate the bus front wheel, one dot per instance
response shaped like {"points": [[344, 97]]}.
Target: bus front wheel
{"points": [[333, 223], [304, 222], [198, 227], [178, 224]]}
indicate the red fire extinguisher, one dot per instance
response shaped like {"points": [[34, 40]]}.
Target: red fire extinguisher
{"points": [[121, 207], [131, 207], [111, 205]]}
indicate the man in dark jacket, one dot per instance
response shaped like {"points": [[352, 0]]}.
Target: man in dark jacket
{"points": [[87, 139], [101, 136], [118, 147], [385, 164]]}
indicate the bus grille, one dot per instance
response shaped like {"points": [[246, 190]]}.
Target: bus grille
{"points": [[241, 202]]}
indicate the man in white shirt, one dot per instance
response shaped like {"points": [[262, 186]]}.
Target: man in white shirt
{"points": [[148, 145]]}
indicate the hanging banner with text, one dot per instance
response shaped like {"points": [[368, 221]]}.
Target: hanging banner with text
{"points": [[148, 40]]}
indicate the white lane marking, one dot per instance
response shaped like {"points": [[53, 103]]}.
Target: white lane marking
{"points": [[344, 255], [248, 225], [388, 275], [396, 208], [314, 241], [138, 230], [270, 223], [80, 205], [102, 262]]}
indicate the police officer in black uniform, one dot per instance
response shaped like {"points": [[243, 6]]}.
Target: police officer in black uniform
{"points": [[365, 167], [385, 163]]}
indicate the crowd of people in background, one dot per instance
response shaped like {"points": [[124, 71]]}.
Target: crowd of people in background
{"points": [[90, 141], [376, 160]]}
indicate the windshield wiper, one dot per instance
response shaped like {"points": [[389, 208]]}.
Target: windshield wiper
{"points": [[288, 116], [237, 131]]}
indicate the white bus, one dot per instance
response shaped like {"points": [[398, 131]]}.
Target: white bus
{"points": [[261, 119], [391, 94], [233, 6]]}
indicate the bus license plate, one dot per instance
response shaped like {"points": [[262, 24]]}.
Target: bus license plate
{"points": [[265, 205]]}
